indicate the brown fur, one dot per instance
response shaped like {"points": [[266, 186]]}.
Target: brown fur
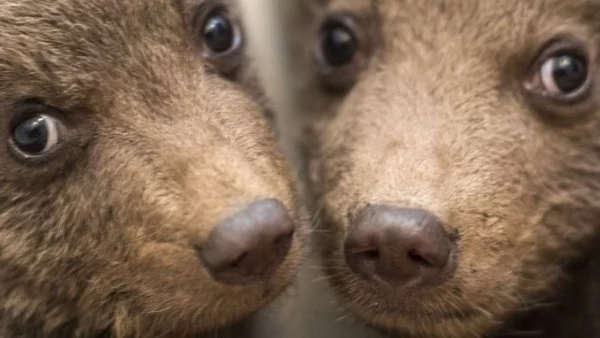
{"points": [[98, 241], [438, 118]]}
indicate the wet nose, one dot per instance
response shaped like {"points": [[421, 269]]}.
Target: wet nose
{"points": [[250, 245], [400, 246]]}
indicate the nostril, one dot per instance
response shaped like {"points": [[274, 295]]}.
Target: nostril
{"points": [[370, 255], [363, 261], [239, 261], [419, 259]]}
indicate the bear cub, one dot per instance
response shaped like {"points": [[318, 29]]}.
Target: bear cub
{"points": [[142, 192], [453, 150]]}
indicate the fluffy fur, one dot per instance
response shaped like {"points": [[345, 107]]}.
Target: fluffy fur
{"points": [[99, 240], [438, 118]]}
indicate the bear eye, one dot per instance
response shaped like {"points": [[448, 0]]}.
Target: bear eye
{"points": [[221, 38], [338, 44], [36, 133], [340, 50], [219, 33], [562, 73]]}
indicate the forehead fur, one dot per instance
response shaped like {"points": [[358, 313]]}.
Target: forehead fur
{"points": [[69, 49], [408, 24]]}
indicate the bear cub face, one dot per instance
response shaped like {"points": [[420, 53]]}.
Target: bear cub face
{"points": [[454, 153], [142, 191]]}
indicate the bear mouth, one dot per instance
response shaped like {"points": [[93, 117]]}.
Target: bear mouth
{"points": [[410, 307], [456, 315], [414, 316]]}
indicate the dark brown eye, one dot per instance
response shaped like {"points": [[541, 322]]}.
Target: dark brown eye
{"points": [[562, 73], [36, 135], [340, 50], [339, 45], [219, 33], [35, 131], [221, 38]]}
